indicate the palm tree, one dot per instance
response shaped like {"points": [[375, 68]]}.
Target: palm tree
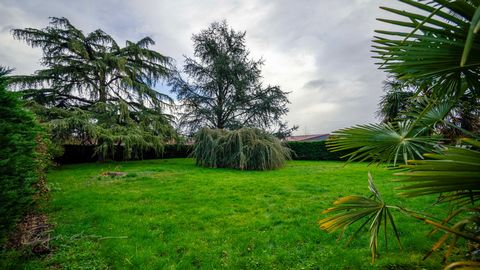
{"points": [[401, 98], [94, 91], [395, 101], [441, 50]]}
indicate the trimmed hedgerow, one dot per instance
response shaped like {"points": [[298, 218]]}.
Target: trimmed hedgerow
{"points": [[312, 151], [86, 153], [243, 149]]}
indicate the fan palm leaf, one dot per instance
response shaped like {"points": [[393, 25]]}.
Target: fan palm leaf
{"points": [[441, 47], [383, 142], [454, 174], [437, 46], [400, 141], [354, 208]]}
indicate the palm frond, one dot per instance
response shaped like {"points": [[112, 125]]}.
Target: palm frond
{"points": [[465, 265], [396, 100], [360, 208], [383, 142], [454, 174], [440, 47]]}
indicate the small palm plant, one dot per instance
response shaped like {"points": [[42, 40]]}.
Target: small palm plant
{"points": [[373, 210], [441, 50], [453, 175]]}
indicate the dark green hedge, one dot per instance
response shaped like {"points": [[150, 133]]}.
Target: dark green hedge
{"points": [[312, 151], [86, 153], [18, 160], [301, 151]]}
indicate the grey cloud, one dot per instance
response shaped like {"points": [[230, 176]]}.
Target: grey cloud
{"points": [[6, 29], [318, 83]]}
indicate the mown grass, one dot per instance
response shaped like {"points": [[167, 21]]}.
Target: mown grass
{"points": [[170, 214]]}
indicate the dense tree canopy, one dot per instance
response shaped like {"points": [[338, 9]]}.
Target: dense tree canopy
{"points": [[224, 89], [94, 91]]}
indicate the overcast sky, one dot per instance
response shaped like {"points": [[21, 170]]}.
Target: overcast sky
{"points": [[319, 50]]}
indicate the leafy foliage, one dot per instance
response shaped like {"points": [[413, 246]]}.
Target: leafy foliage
{"points": [[451, 115], [454, 174], [243, 149], [440, 47], [383, 142], [18, 166], [355, 208], [395, 101], [441, 51], [92, 91], [440, 55], [420, 129], [224, 90]]}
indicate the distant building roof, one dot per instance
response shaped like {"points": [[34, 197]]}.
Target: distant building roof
{"points": [[308, 138]]}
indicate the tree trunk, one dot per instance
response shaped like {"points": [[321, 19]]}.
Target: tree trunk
{"points": [[102, 88]]}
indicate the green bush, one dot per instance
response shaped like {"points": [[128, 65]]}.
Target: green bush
{"points": [[243, 149], [18, 160], [312, 151]]}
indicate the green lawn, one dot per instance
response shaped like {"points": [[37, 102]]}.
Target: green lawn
{"points": [[170, 214]]}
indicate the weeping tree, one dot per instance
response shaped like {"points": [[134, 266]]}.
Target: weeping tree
{"points": [[441, 49], [223, 89], [243, 149], [93, 91]]}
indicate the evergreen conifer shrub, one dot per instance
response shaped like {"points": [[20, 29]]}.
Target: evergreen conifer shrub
{"points": [[243, 149], [18, 163]]}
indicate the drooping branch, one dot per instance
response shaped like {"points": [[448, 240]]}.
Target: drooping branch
{"points": [[93, 90]]}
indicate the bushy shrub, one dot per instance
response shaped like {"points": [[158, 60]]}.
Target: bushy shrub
{"points": [[243, 149], [18, 160], [313, 151]]}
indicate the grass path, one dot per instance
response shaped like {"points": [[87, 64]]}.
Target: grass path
{"points": [[169, 214]]}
